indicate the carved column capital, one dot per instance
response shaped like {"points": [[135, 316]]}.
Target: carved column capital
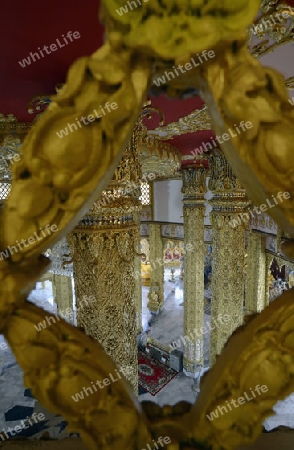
{"points": [[194, 182], [222, 177]]}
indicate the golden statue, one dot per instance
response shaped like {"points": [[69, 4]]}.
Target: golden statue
{"points": [[60, 175]]}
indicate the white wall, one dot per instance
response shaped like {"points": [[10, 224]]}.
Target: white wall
{"points": [[168, 206]]}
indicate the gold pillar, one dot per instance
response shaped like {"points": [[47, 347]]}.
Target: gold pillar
{"points": [[138, 279], [229, 221], [194, 188], [61, 269], [105, 248], [156, 292], [269, 260], [63, 293], [255, 295]]}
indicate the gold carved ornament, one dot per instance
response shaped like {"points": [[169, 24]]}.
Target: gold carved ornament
{"points": [[58, 179], [239, 90]]}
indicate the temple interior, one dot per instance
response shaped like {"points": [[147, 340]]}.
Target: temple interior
{"points": [[147, 266]]}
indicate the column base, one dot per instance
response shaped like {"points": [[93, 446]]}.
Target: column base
{"points": [[191, 369]]}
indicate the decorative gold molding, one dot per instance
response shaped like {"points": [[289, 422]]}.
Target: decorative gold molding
{"points": [[228, 250], [255, 281], [196, 121], [156, 292], [104, 265], [194, 189], [51, 184], [10, 124], [194, 182], [276, 33], [159, 158]]}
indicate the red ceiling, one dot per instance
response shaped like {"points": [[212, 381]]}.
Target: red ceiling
{"points": [[28, 25]]}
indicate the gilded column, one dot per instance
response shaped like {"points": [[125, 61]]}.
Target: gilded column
{"points": [[194, 188], [229, 222], [63, 293], [62, 270], [138, 279], [105, 248], [269, 260], [256, 273], [156, 292]]}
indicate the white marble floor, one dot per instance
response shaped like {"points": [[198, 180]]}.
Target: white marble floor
{"points": [[167, 327]]}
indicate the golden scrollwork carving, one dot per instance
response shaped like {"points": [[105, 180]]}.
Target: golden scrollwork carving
{"points": [[272, 29], [60, 175], [159, 158], [194, 182], [58, 179], [229, 204], [182, 28], [259, 354], [260, 155], [10, 124], [67, 361], [104, 266], [197, 120]]}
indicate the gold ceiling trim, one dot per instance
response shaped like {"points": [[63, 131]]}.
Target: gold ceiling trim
{"points": [[10, 123], [158, 157], [198, 120], [202, 157]]}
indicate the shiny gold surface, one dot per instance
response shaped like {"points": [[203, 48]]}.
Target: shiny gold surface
{"points": [[158, 158], [255, 282], [229, 201], [57, 180], [60, 175], [63, 296], [171, 30], [156, 291], [194, 188], [196, 121], [105, 247], [271, 30], [237, 88], [104, 263]]}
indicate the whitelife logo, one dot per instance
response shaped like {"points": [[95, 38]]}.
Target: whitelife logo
{"points": [[200, 332], [11, 250], [206, 146], [23, 426], [73, 126], [266, 24], [124, 9], [263, 208], [53, 47], [66, 314], [188, 66], [237, 403], [102, 384]]}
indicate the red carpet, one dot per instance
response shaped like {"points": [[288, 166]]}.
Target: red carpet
{"points": [[153, 375]]}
